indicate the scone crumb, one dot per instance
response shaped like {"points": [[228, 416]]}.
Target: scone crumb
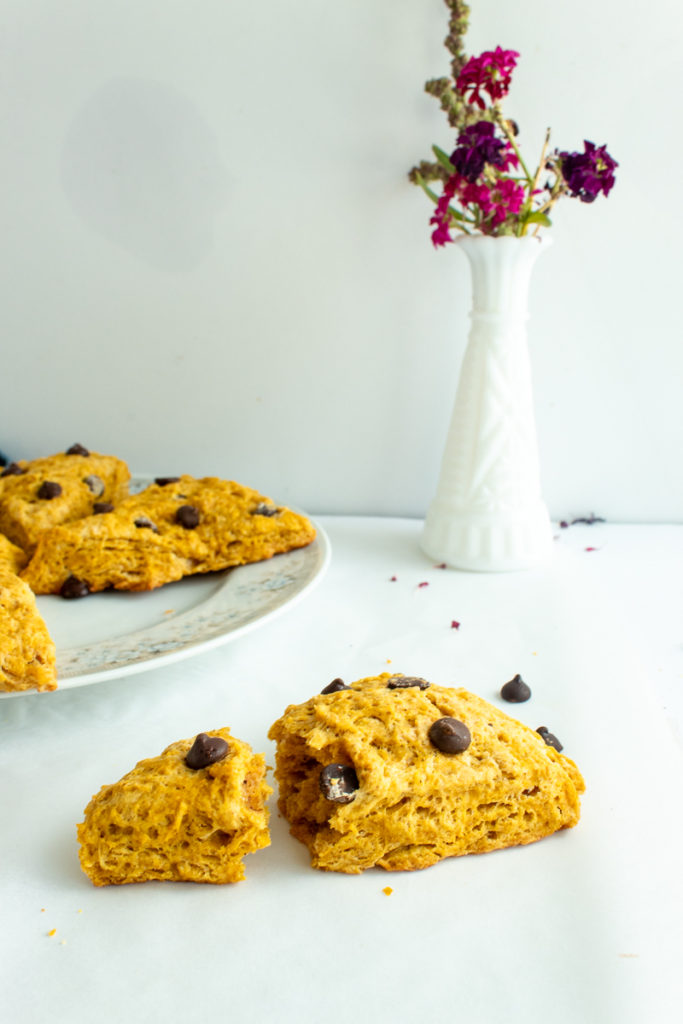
{"points": [[53, 931], [387, 890]]}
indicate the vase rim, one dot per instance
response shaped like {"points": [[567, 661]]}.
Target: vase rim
{"points": [[541, 240]]}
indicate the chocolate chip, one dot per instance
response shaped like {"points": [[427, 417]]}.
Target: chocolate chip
{"points": [[449, 735], [188, 516], [49, 490], [515, 691], [143, 523], [547, 737], [95, 483], [162, 481], [14, 469], [265, 510], [335, 686], [206, 750], [339, 783], [77, 449], [100, 507], [72, 588], [403, 682]]}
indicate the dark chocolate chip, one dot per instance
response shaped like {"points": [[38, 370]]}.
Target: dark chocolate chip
{"points": [[162, 481], [95, 483], [77, 449], [515, 691], [14, 469], [449, 735], [547, 737], [188, 516], [265, 510], [143, 523], [339, 783], [49, 490], [72, 588], [206, 750], [335, 685], [100, 507], [403, 682]]}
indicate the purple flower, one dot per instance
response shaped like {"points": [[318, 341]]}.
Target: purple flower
{"points": [[589, 173], [478, 146]]}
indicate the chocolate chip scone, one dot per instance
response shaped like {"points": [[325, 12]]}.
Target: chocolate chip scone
{"points": [[189, 815], [176, 527], [46, 492], [396, 773], [27, 653]]}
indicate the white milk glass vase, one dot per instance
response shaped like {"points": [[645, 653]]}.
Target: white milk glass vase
{"points": [[488, 513]]}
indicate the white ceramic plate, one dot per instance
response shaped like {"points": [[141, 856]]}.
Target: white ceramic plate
{"points": [[115, 634]]}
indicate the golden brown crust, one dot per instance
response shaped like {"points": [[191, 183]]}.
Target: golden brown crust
{"points": [[166, 821], [27, 653], [416, 805], [83, 480], [236, 525], [12, 558]]}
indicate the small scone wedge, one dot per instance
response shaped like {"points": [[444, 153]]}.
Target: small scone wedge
{"points": [[27, 652], [173, 528], [46, 492], [364, 779], [189, 815]]}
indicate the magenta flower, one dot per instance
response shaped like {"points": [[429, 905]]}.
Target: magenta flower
{"points": [[490, 72], [507, 197], [478, 146], [441, 219], [589, 173]]}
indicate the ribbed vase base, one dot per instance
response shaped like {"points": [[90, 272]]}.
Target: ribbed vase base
{"points": [[487, 546]]}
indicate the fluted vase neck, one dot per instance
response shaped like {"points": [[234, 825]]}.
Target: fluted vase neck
{"points": [[501, 271]]}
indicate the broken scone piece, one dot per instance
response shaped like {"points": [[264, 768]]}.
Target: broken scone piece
{"points": [[189, 815], [176, 527], [397, 773], [27, 653]]}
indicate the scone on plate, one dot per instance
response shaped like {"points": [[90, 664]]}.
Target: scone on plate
{"points": [[189, 815], [27, 653], [397, 773], [57, 489], [176, 527]]}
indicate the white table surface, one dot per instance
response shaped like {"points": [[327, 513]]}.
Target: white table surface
{"points": [[582, 927]]}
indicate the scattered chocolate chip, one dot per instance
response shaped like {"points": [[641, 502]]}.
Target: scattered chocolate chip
{"points": [[515, 691], [547, 737], [14, 469], [265, 510], [100, 507], [162, 481], [188, 516], [95, 483], [206, 750], [143, 523], [335, 685], [72, 588], [49, 490], [403, 682], [77, 449], [339, 783], [449, 735]]}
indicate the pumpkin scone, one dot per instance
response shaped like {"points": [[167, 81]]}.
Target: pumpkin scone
{"points": [[46, 492], [396, 773], [12, 558], [176, 527], [27, 653], [189, 815]]}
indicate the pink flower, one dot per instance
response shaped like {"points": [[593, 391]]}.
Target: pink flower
{"points": [[441, 219], [490, 72], [506, 198]]}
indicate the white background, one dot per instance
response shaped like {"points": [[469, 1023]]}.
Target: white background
{"points": [[213, 262]]}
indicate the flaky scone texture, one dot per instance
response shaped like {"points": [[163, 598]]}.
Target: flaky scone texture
{"points": [[12, 558], [27, 653], [166, 821], [83, 479], [416, 805], [142, 545]]}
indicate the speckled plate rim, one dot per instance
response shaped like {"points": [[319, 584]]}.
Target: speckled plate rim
{"points": [[245, 598]]}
